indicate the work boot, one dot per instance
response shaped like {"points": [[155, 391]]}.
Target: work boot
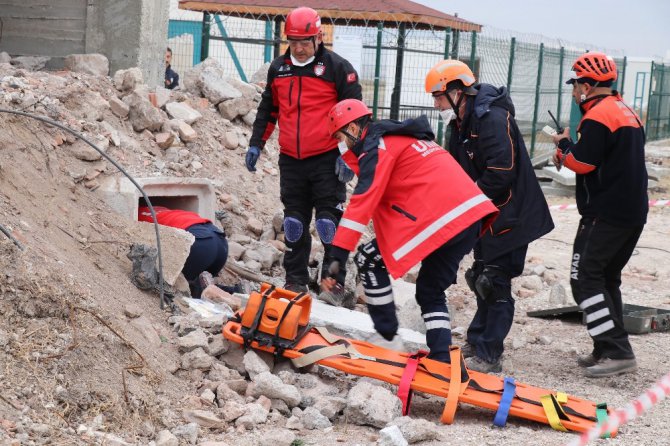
{"points": [[338, 297], [611, 367], [295, 287], [468, 350], [206, 279], [587, 360], [394, 344], [479, 365]]}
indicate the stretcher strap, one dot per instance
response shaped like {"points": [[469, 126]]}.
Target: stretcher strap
{"points": [[601, 415], [326, 335], [509, 389], [553, 410], [404, 387], [318, 355], [341, 348], [454, 386]]}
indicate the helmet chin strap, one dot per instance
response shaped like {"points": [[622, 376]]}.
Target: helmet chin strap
{"points": [[354, 139], [583, 97], [456, 107]]}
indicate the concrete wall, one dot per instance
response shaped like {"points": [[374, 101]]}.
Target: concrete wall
{"points": [[43, 27], [129, 32]]}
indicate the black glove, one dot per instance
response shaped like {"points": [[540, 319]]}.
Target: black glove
{"points": [[335, 263]]}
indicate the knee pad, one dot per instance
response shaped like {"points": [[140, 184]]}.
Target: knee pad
{"points": [[492, 285], [293, 229], [472, 273], [326, 225]]}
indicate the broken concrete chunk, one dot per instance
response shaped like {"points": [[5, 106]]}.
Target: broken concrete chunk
{"points": [[95, 64]]}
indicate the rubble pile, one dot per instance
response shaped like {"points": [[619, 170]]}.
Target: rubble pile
{"points": [[88, 358]]}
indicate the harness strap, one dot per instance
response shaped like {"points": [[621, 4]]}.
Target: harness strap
{"points": [[404, 387], [553, 410], [249, 336], [509, 389], [278, 350], [455, 386]]}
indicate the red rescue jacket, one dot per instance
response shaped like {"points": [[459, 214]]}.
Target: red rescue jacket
{"points": [[299, 99], [175, 218], [415, 192]]}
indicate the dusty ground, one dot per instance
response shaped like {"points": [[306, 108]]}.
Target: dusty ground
{"points": [[71, 355]]}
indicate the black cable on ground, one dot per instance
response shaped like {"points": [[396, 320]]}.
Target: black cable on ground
{"points": [[11, 237], [163, 299]]}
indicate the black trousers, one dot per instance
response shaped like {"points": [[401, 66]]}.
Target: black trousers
{"points": [[209, 252], [600, 252], [306, 185], [437, 273], [493, 318]]}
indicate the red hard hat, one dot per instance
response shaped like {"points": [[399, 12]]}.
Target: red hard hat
{"points": [[597, 66], [302, 22], [345, 112]]}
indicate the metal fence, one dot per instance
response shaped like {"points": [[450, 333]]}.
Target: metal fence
{"points": [[658, 111], [395, 57]]}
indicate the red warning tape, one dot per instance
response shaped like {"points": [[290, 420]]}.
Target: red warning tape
{"points": [[632, 410]]}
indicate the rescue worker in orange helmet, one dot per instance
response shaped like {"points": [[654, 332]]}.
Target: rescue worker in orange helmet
{"points": [[486, 141], [424, 208], [302, 86], [608, 159]]}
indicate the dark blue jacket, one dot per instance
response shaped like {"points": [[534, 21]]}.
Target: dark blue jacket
{"points": [[171, 77], [490, 148]]}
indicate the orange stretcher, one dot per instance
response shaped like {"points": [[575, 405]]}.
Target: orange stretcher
{"points": [[276, 321]]}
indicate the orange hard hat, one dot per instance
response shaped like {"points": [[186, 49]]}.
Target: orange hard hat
{"points": [[302, 22], [447, 71], [344, 112], [596, 66]]}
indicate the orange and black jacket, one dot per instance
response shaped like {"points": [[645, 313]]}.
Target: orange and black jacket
{"points": [[299, 99], [608, 159], [490, 148]]}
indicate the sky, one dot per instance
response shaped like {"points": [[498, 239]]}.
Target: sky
{"points": [[639, 28]]}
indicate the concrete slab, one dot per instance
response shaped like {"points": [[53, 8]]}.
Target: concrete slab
{"points": [[557, 190], [190, 194], [565, 176], [175, 246], [657, 172], [353, 324]]}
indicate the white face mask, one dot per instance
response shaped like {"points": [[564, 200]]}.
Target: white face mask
{"points": [[342, 146], [301, 64], [447, 115]]}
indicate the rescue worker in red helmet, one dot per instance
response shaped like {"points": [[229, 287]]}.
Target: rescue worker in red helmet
{"points": [[424, 208], [302, 86], [611, 194], [487, 143]]}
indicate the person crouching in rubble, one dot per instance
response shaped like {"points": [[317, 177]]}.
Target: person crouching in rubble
{"points": [[209, 251], [424, 208]]}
